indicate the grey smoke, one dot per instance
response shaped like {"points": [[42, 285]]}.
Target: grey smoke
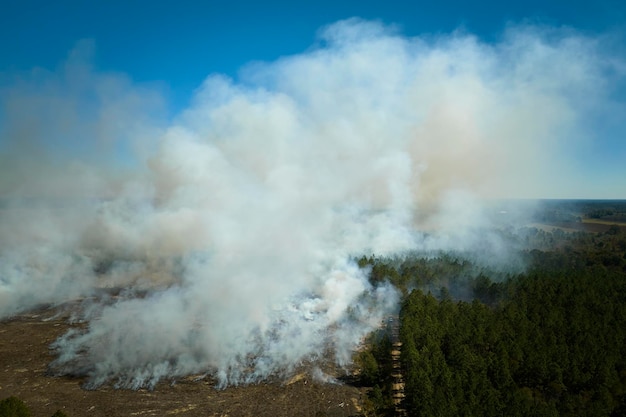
{"points": [[231, 230]]}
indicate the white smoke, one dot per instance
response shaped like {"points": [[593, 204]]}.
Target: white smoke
{"points": [[231, 231]]}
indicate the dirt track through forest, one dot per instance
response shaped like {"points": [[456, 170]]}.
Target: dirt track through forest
{"points": [[398, 380]]}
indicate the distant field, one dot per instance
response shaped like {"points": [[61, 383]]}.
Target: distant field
{"points": [[595, 216], [586, 225], [550, 227], [600, 225], [607, 222]]}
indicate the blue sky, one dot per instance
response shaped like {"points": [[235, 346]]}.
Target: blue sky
{"points": [[172, 46], [180, 42]]}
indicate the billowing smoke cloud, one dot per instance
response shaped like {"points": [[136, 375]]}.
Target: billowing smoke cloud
{"points": [[229, 233]]}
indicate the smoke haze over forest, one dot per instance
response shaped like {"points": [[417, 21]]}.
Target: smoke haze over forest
{"points": [[231, 230]]}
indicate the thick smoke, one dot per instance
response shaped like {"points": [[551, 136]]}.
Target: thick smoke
{"points": [[228, 234]]}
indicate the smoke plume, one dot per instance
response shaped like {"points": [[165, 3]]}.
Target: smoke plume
{"points": [[228, 234]]}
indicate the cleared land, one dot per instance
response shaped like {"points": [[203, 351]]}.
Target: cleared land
{"points": [[586, 225], [25, 355]]}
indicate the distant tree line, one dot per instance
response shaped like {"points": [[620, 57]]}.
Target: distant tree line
{"points": [[561, 210]]}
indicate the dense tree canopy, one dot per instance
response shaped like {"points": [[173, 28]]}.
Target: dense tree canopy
{"points": [[550, 341]]}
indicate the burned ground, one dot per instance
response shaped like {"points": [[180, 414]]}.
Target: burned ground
{"points": [[25, 355]]}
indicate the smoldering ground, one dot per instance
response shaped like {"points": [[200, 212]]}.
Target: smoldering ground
{"points": [[238, 220]]}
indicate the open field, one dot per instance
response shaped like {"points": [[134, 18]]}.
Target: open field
{"points": [[604, 222], [586, 225], [25, 355], [593, 216]]}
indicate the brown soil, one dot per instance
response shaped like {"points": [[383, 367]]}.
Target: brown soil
{"points": [[25, 355]]}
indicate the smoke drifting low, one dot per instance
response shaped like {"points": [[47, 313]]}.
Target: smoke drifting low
{"points": [[230, 231]]}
